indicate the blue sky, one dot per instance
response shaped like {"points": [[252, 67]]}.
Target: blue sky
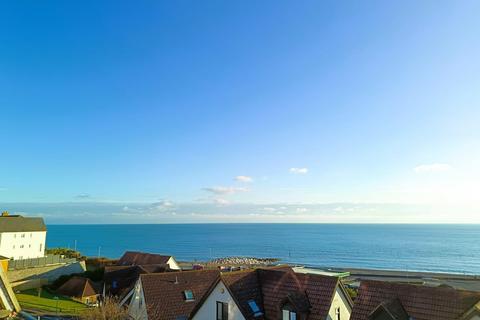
{"points": [[210, 111]]}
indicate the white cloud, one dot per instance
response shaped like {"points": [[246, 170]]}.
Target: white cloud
{"points": [[225, 190], [301, 210], [221, 202], [434, 167], [299, 170], [245, 179], [162, 206]]}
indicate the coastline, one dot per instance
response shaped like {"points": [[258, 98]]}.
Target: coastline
{"points": [[353, 276]]}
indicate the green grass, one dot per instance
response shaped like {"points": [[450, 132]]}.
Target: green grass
{"points": [[29, 299]]}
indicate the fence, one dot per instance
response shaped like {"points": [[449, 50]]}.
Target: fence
{"points": [[38, 262]]}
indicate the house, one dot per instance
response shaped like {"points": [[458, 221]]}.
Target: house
{"points": [[279, 293], [133, 258], [263, 294], [172, 295], [22, 237], [120, 280], [378, 300], [80, 289]]}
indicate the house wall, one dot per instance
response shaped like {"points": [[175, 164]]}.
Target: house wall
{"points": [[208, 310], [172, 263], [23, 245], [339, 301], [137, 309]]}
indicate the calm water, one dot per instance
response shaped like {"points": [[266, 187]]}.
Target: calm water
{"points": [[442, 248]]}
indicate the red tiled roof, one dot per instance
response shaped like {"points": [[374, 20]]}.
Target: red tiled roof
{"points": [[308, 291], [78, 287], [420, 302], [244, 286], [164, 292], [271, 288], [132, 258], [119, 280]]}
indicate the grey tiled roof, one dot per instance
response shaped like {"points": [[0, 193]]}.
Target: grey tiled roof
{"points": [[21, 224]]}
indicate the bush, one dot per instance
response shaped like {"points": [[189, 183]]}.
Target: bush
{"points": [[69, 253], [109, 310]]}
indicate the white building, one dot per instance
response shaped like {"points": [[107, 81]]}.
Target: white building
{"points": [[22, 237], [260, 294]]}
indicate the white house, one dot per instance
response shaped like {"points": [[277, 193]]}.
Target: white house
{"points": [[279, 293], [256, 294], [22, 237]]}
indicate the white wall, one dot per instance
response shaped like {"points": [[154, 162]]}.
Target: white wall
{"points": [[339, 301], [172, 263], [137, 309], [23, 245], [208, 310]]}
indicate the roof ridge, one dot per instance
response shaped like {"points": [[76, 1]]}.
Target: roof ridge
{"points": [[179, 272]]}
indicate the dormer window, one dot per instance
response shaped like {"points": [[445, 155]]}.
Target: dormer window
{"points": [[188, 294]]}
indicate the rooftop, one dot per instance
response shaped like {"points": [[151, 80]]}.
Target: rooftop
{"points": [[78, 287], [16, 223], [176, 294], [132, 258], [419, 302]]}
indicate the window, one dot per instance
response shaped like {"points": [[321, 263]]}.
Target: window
{"points": [[337, 313], [289, 315], [188, 295], [255, 309], [41, 247], [222, 310], [114, 284], [21, 246], [23, 235]]}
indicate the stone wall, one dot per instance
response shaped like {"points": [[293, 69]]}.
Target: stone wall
{"points": [[50, 273]]}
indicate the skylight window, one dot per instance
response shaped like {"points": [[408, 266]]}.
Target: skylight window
{"points": [[188, 295], [254, 307]]}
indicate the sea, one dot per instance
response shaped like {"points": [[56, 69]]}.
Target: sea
{"points": [[408, 247]]}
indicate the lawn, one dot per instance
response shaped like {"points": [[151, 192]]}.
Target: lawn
{"points": [[47, 303]]}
